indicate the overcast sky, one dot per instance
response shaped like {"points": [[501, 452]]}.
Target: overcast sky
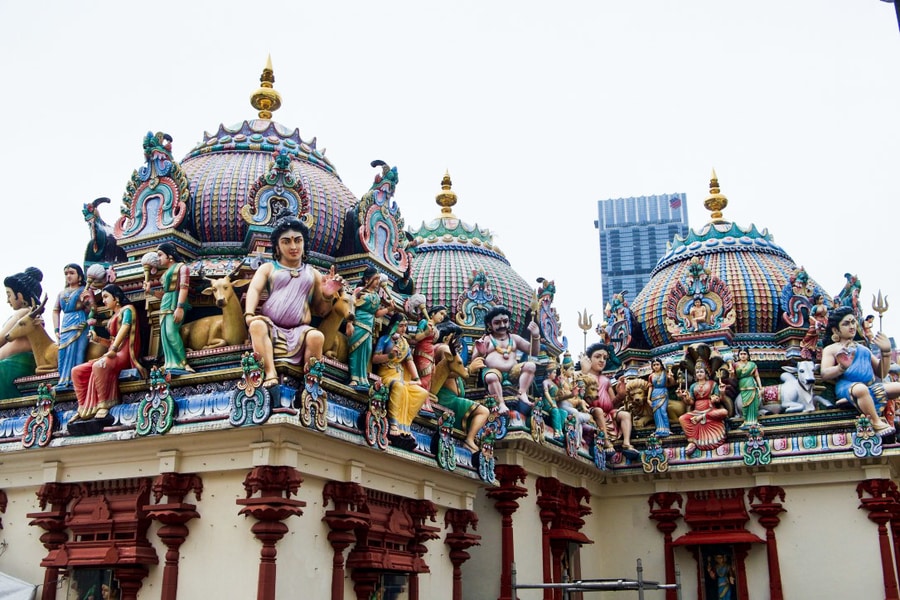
{"points": [[537, 109]]}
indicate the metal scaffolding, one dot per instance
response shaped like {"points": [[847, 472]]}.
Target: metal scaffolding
{"points": [[602, 585]]}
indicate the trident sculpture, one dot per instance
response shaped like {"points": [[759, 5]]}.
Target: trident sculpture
{"points": [[880, 306], [585, 322]]}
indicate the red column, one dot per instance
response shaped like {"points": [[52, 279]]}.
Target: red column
{"points": [[274, 504], [880, 506], [421, 511], [130, 580], [505, 496], [740, 557], [343, 520], [549, 508], [665, 516], [173, 515], [895, 528], [768, 508], [53, 522], [459, 541]]}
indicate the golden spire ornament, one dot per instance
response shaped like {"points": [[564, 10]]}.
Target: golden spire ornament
{"points": [[716, 201], [446, 198], [266, 99]]}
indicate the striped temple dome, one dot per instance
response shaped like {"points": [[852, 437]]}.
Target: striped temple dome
{"points": [[752, 265], [447, 252], [224, 166]]}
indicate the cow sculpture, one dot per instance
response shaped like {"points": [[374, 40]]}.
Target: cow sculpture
{"points": [[795, 393]]}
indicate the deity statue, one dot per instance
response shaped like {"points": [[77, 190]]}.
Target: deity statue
{"points": [[394, 364], [369, 307], [615, 421], [704, 423], [698, 315], [426, 336], [70, 324], [23, 293], [281, 327], [448, 385], [660, 382], [851, 365], [749, 386], [818, 319], [96, 382], [173, 305], [496, 351]]}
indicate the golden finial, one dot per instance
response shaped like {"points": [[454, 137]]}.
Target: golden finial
{"points": [[265, 99], [446, 198], [716, 201]]}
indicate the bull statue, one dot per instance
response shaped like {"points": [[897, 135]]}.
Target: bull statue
{"points": [[795, 394]]}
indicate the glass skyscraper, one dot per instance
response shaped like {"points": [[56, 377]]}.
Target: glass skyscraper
{"points": [[633, 237]]}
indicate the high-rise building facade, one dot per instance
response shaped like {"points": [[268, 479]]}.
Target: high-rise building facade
{"points": [[633, 236]]}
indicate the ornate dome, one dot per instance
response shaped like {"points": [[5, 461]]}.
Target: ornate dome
{"points": [[224, 170], [457, 265], [745, 266]]}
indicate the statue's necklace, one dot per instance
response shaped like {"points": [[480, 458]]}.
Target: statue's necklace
{"points": [[502, 349]]}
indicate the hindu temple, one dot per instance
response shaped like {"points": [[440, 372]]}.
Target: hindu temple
{"points": [[259, 385]]}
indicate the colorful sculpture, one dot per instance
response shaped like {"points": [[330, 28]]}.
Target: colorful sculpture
{"points": [[426, 336], [749, 386], [447, 383], [296, 292], [704, 423], [394, 364], [97, 382], [216, 331], [368, 307], [852, 365], [173, 305], [498, 350], [660, 382], [71, 325], [23, 293], [616, 422]]}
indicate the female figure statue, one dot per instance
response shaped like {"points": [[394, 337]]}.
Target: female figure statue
{"points": [[395, 366], [660, 382], [852, 368], [97, 382], [704, 423], [172, 307], [368, 308], [615, 421], [23, 292], [426, 336], [71, 330], [554, 393], [749, 387]]}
